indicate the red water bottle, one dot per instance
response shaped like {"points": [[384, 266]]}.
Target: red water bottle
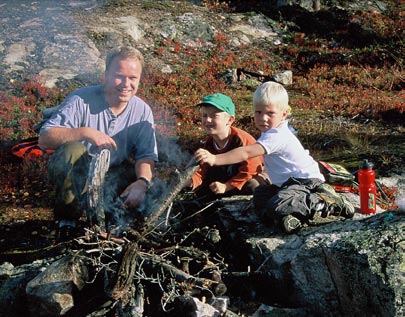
{"points": [[367, 188]]}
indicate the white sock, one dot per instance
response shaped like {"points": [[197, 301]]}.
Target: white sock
{"points": [[319, 206]]}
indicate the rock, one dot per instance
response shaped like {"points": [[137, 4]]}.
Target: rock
{"points": [[268, 311], [50, 293], [284, 78], [12, 286], [351, 267], [86, 31], [333, 267], [191, 306], [72, 38]]}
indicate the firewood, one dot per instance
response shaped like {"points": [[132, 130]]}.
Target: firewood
{"points": [[176, 273], [176, 186], [125, 274]]}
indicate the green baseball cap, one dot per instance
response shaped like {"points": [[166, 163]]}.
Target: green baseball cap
{"points": [[220, 101]]}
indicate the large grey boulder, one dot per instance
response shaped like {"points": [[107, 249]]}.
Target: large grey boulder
{"points": [[69, 41], [13, 280], [333, 267]]}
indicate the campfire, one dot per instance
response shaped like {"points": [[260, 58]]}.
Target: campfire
{"points": [[163, 263]]}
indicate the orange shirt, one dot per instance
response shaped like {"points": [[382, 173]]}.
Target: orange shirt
{"points": [[235, 174]]}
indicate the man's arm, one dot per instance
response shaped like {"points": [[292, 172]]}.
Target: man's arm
{"points": [[237, 155], [144, 168], [56, 136]]}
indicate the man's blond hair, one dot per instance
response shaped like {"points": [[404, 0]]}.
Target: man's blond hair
{"points": [[123, 52], [271, 93]]}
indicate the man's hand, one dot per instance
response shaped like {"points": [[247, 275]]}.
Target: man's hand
{"points": [[134, 194], [101, 139], [203, 156]]}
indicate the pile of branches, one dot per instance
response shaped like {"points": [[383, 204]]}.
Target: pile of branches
{"points": [[159, 269], [151, 272]]}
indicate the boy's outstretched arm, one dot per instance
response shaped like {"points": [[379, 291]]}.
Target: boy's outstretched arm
{"points": [[235, 156]]}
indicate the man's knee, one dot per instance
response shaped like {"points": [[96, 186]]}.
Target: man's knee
{"points": [[67, 153], [68, 160], [73, 151]]}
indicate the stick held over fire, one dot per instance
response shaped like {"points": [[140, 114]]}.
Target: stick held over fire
{"points": [[175, 186]]}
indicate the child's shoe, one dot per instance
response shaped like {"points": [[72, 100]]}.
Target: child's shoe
{"points": [[335, 204], [290, 224]]}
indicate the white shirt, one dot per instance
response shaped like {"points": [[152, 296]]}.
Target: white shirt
{"points": [[285, 156]]}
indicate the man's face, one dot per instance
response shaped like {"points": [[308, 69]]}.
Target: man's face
{"points": [[122, 80], [268, 116]]}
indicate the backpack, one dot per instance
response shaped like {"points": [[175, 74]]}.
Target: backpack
{"points": [[29, 148]]}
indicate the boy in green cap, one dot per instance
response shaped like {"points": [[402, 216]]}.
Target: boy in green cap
{"points": [[212, 182]]}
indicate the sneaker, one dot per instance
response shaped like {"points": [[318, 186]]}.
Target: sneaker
{"points": [[290, 224], [335, 204], [98, 169]]}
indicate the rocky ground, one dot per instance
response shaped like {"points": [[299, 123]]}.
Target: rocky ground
{"points": [[67, 41], [34, 39]]}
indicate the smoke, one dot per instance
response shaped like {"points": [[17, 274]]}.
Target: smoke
{"points": [[400, 201], [172, 161], [170, 151], [400, 198]]}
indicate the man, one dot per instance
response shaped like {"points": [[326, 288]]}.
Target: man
{"points": [[110, 124]]}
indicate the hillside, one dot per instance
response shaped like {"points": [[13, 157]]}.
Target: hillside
{"points": [[346, 92]]}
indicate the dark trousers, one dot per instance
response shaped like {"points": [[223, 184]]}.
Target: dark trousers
{"points": [[68, 170], [295, 197]]}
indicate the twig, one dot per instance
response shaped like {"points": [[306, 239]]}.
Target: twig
{"points": [[198, 212]]}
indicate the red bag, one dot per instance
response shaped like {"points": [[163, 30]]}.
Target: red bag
{"points": [[29, 148], [337, 176]]}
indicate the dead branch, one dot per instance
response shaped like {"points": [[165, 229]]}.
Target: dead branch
{"points": [[176, 186], [125, 274], [179, 275], [244, 73]]}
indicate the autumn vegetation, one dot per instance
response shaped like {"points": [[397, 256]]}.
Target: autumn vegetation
{"points": [[351, 72]]}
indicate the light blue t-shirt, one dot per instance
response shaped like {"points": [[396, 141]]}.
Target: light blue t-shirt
{"points": [[286, 157], [132, 130]]}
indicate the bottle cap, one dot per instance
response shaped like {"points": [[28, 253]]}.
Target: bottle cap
{"points": [[366, 165]]}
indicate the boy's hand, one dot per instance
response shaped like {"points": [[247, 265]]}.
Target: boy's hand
{"points": [[203, 156], [218, 188]]}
